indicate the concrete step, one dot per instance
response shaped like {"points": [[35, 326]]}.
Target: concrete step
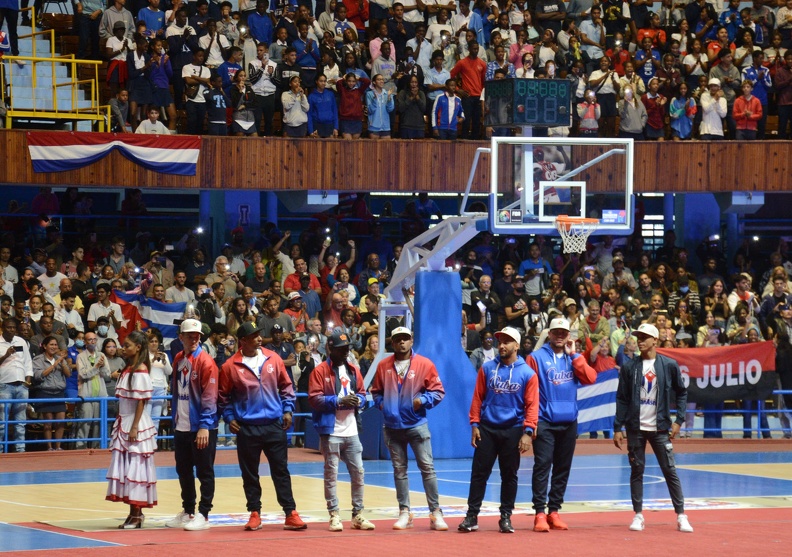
{"points": [[64, 93]]}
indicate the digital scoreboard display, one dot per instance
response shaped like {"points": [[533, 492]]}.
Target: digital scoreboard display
{"points": [[528, 102]]}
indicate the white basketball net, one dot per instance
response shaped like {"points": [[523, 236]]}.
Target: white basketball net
{"points": [[575, 233]]}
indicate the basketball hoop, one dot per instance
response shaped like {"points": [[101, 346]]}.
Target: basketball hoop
{"points": [[575, 231]]}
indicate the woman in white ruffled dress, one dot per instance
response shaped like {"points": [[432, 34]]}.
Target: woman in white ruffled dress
{"points": [[132, 477]]}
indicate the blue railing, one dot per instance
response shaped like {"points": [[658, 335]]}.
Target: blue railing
{"points": [[104, 421]]}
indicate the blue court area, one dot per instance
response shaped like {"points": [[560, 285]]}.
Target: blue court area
{"points": [[22, 538]]}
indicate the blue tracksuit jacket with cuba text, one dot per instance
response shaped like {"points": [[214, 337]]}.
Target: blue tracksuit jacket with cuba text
{"points": [[323, 388], [200, 373], [396, 401], [255, 400], [559, 376], [506, 396]]}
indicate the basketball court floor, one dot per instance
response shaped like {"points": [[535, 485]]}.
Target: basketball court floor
{"points": [[55, 502]]}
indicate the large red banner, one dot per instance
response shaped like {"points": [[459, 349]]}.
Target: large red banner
{"points": [[742, 371]]}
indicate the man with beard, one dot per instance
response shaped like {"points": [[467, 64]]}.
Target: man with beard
{"points": [[516, 304], [503, 415], [336, 391], [560, 370], [406, 385], [647, 387]]}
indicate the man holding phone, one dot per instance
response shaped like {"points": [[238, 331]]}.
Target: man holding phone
{"points": [[560, 370], [16, 373]]}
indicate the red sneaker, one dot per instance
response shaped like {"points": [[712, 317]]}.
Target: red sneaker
{"points": [[294, 522], [540, 523], [254, 522], [555, 522]]}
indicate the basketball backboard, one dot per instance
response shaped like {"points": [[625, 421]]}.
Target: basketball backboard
{"points": [[535, 179]]}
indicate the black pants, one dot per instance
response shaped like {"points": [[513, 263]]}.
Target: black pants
{"points": [[471, 125], [554, 448], [265, 106], [196, 113], [251, 441], [664, 451], [784, 118], [89, 37], [502, 444], [189, 457]]}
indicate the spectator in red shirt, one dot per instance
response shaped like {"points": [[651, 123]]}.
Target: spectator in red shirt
{"points": [[469, 72], [292, 282]]}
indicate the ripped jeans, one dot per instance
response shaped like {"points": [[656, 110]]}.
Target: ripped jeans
{"points": [[664, 451]]}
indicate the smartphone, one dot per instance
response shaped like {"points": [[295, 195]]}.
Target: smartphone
{"points": [[480, 305], [18, 349], [169, 247]]}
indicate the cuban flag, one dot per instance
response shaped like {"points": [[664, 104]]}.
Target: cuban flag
{"points": [[152, 312], [597, 402], [63, 151]]}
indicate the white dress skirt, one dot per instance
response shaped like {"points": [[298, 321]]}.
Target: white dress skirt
{"points": [[132, 476]]}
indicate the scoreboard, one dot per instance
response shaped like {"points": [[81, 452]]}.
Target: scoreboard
{"points": [[528, 102]]}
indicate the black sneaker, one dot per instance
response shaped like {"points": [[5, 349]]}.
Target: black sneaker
{"points": [[470, 524], [505, 525]]}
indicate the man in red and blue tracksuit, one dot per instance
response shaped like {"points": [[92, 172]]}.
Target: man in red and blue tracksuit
{"points": [[257, 400], [503, 416], [194, 385], [560, 371], [405, 386]]}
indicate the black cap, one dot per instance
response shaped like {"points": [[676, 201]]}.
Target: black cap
{"points": [[338, 340], [247, 329], [277, 327], [305, 276]]}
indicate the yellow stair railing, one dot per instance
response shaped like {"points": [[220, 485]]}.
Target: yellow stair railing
{"points": [[55, 108]]}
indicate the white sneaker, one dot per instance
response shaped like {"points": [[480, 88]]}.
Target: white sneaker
{"points": [[405, 521], [197, 523], [683, 524], [359, 522], [637, 524], [179, 520], [436, 521], [335, 522]]}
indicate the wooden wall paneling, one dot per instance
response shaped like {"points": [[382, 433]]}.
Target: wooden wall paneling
{"points": [[423, 165]]}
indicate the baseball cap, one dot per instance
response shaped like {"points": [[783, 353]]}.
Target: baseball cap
{"points": [[518, 277], [247, 329], [190, 326], [569, 302], [293, 296], [305, 276], [276, 327], [714, 81], [401, 331], [510, 332], [618, 258], [746, 276], [119, 25], [559, 323], [372, 280], [338, 339], [647, 329]]}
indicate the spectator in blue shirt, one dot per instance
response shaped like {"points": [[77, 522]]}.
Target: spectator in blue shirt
{"points": [[260, 25]]}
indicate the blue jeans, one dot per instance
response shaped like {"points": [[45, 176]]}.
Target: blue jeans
{"points": [[419, 439], [16, 413], [350, 451], [155, 407]]}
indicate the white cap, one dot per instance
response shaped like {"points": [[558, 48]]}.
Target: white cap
{"points": [[401, 331], [714, 81], [190, 326], [559, 323], [293, 296], [510, 332], [647, 329]]}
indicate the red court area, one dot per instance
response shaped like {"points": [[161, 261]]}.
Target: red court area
{"points": [[766, 532]]}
